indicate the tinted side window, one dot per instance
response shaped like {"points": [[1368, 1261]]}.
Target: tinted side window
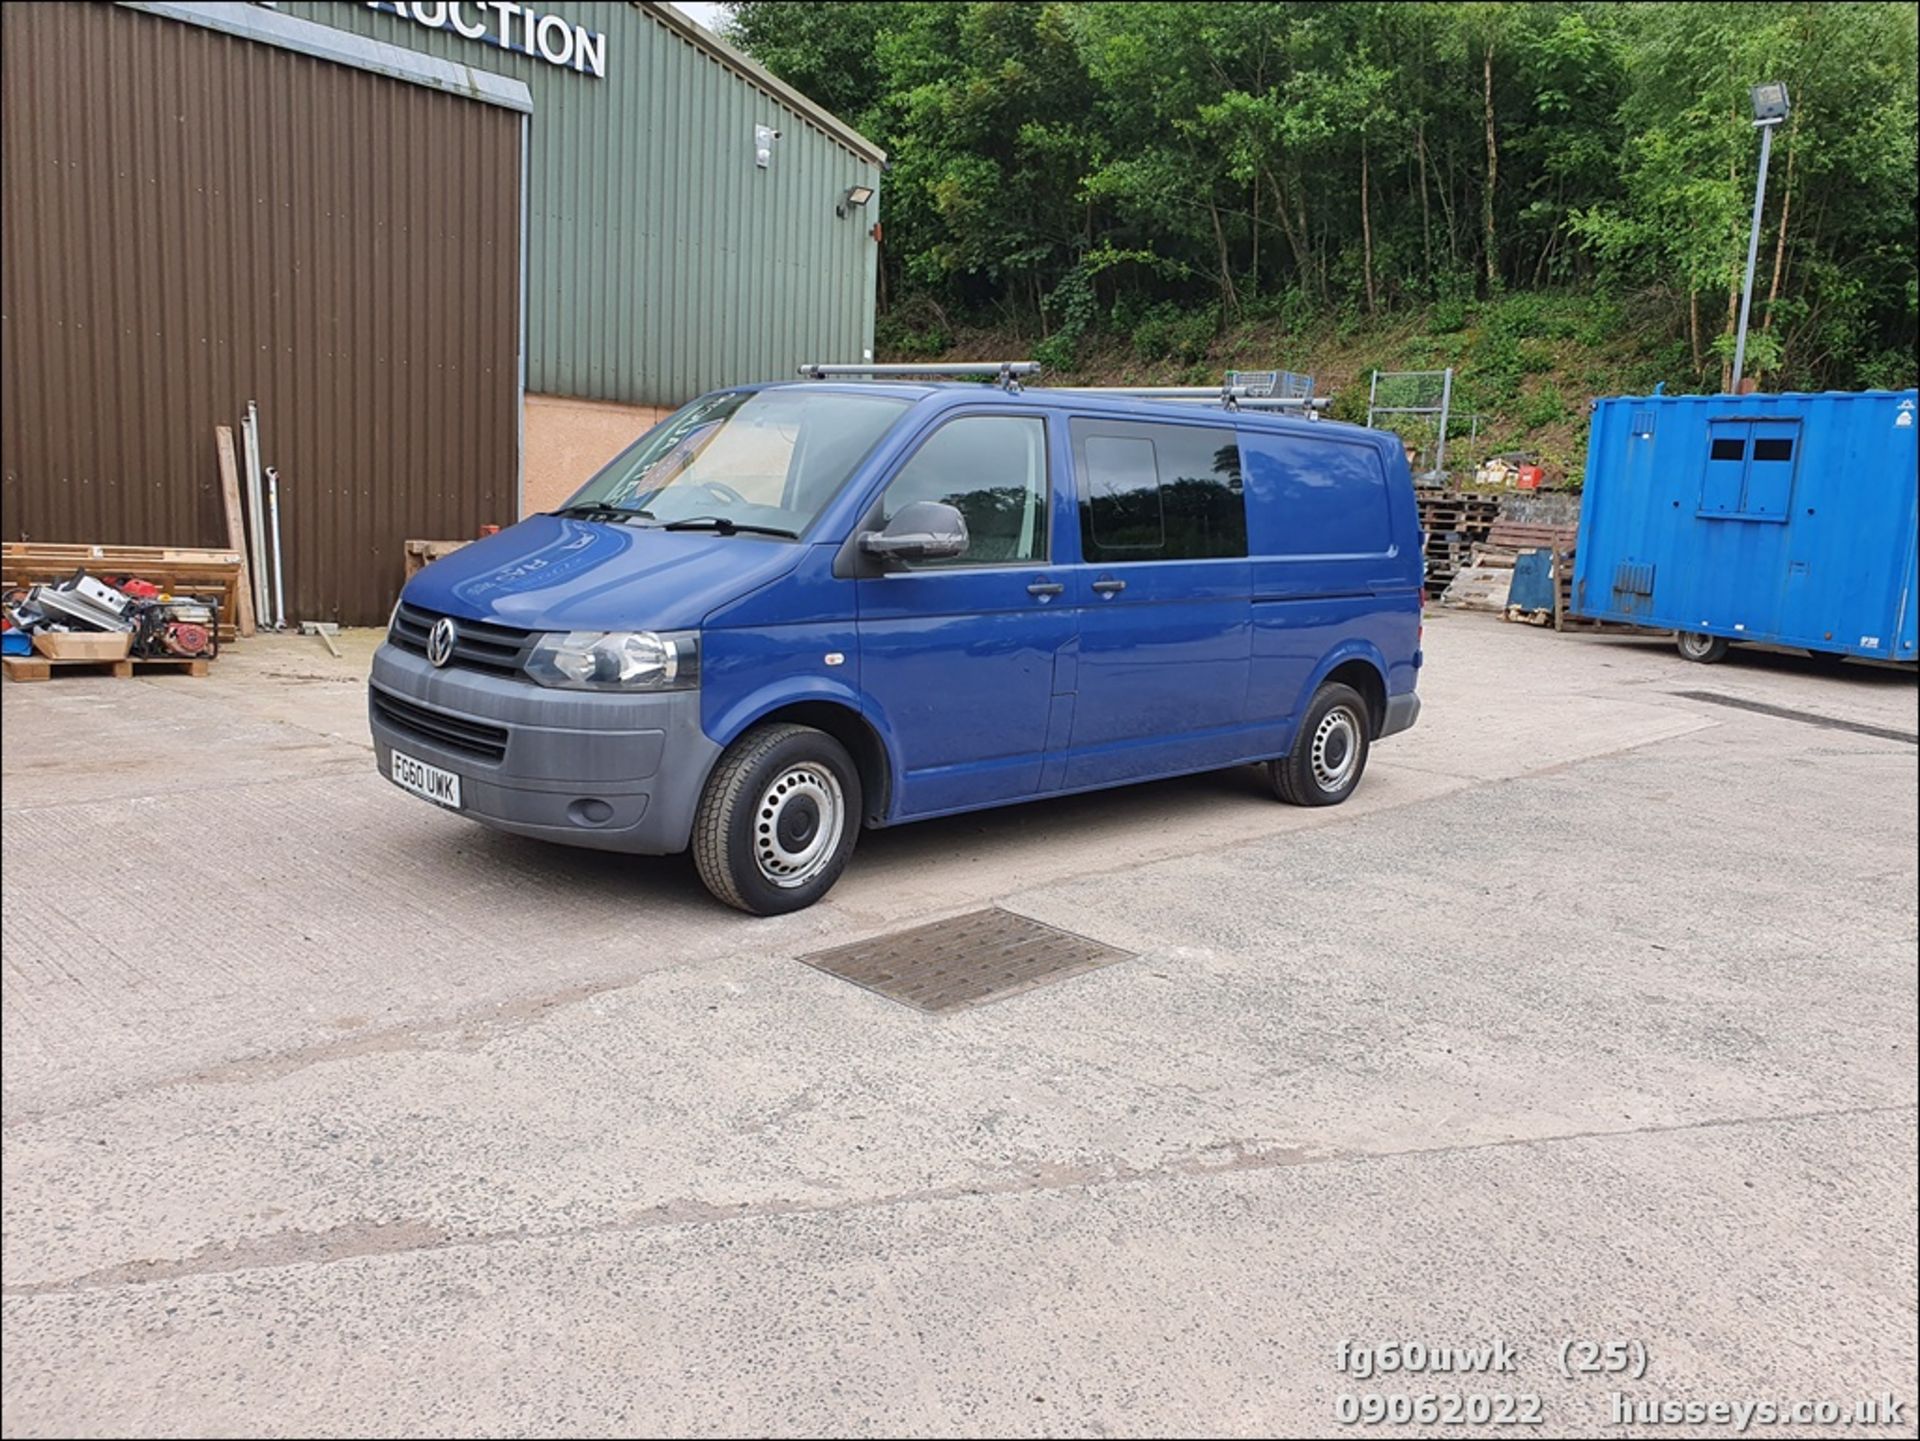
{"points": [[993, 470], [1158, 492]]}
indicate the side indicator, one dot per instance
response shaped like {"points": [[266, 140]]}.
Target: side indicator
{"points": [[834, 657]]}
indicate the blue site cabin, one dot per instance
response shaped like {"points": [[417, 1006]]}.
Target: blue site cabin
{"points": [[791, 611], [1784, 519]]}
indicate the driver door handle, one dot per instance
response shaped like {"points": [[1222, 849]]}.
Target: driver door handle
{"points": [[1045, 588], [1109, 587]]}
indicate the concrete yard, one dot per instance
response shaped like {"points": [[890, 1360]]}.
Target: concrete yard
{"points": [[1591, 1018]]}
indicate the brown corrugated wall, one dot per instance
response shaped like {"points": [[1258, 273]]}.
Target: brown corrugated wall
{"points": [[193, 220]]}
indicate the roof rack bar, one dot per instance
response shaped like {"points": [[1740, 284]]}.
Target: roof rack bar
{"points": [[961, 367], [1234, 397], [1311, 404], [1006, 373], [1153, 392]]}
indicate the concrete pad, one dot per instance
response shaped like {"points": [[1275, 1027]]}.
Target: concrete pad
{"points": [[1210, 1299], [1592, 1012]]}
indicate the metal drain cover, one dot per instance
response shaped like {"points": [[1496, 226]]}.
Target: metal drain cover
{"points": [[965, 960]]}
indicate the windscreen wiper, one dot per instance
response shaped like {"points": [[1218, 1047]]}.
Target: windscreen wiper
{"points": [[600, 510], [723, 526]]}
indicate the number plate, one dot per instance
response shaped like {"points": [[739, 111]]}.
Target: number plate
{"points": [[428, 782]]}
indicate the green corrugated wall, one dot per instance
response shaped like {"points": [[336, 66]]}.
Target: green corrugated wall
{"points": [[661, 261]]}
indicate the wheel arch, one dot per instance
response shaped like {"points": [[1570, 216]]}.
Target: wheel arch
{"points": [[838, 714], [1361, 666]]}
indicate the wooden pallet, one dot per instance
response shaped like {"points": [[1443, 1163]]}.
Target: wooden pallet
{"points": [[1524, 535], [423, 553], [39, 667]]}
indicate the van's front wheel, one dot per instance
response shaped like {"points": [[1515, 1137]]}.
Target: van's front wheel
{"points": [[778, 819], [1329, 750]]}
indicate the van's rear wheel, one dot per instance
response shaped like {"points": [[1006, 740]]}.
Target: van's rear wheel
{"points": [[1329, 750], [1697, 646], [778, 819]]}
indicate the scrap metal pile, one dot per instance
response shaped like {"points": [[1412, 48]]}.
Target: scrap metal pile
{"points": [[157, 625]]}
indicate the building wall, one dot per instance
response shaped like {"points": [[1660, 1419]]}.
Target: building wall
{"points": [[662, 261], [195, 220], [568, 440]]}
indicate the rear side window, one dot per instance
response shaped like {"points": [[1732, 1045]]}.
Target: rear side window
{"points": [[1308, 496], [1158, 492]]}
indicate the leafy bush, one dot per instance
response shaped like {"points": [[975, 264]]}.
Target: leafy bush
{"points": [[1167, 332], [1447, 316], [899, 335], [1546, 406], [1513, 318], [1057, 353], [1534, 357]]}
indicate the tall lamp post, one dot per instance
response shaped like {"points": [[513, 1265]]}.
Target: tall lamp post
{"points": [[1769, 109]]}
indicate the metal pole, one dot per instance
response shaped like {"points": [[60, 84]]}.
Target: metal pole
{"points": [[1446, 404], [520, 342], [1373, 389], [1753, 249], [256, 518], [279, 577]]}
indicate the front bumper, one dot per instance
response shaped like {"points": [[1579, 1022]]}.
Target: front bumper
{"points": [[1402, 712], [611, 772]]}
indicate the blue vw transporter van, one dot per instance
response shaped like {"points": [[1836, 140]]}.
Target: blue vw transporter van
{"points": [[794, 610]]}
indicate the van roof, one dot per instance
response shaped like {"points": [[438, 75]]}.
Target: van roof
{"points": [[945, 394]]}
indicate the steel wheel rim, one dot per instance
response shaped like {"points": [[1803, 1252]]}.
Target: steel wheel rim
{"points": [[1336, 748], [797, 825], [1696, 644]]}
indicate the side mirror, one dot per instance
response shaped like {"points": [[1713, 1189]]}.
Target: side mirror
{"points": [[925, 530]]}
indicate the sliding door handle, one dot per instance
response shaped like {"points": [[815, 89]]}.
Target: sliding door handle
{"points": [[1109, 587]]}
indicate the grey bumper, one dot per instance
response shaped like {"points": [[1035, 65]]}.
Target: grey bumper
{"points": [[613, 772], [1402, 712]]}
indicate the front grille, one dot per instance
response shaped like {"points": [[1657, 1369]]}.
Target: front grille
{"points": [[442, 728], [479, 644]]}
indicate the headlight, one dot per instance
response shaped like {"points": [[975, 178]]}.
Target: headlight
{"points": [[617, 660]]}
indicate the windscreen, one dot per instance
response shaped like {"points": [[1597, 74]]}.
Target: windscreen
{"points": [[770, 459]]}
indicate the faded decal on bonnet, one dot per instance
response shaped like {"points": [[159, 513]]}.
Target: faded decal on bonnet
{"points": [[577, 548]]}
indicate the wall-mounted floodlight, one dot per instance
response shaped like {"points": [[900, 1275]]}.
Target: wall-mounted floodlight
{"points": [[855, 197], [1769, 109]]}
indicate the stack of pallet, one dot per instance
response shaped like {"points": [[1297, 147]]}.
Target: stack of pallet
{"points": [[1453, 522]]}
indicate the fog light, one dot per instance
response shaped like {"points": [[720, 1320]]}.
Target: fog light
{"points": [[589, 811]]}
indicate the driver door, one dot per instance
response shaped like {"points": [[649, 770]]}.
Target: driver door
{"points": [[957, 657]]}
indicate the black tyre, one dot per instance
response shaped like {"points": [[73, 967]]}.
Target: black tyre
{"points": [[1701, 648], [1329, 752], [778, 819]]}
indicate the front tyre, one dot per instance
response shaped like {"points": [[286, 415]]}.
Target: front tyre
{"points": [[1701, 648], [778, 819], [1329, 750]]}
